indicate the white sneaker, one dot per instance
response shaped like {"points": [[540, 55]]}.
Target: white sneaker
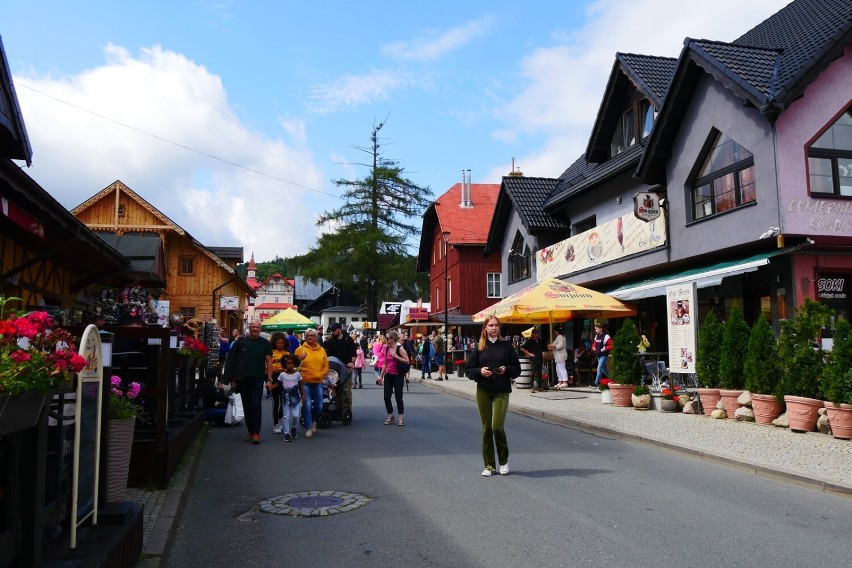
{"points": [[309, 433], [314, 427], [487, 472], [276, 429], [504, 469]]}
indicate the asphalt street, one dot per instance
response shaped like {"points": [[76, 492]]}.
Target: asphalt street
{"points": [[572, 498]]}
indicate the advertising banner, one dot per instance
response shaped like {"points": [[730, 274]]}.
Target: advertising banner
{"points": [[681, 305]]}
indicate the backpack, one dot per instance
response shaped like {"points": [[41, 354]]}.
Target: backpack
{"points": [[401, 368]]}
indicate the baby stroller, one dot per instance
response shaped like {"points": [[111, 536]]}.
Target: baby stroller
{"points": [[332, 406]]}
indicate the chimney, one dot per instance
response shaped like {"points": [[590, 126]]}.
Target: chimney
{"points": [[514, 172], [465, 202]]}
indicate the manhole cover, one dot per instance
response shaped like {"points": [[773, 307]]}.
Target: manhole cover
{"points": [[313, 503]]}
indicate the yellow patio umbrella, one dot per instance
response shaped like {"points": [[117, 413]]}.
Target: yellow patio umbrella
{"points": [[287, 319], [527, 333], [552, 300]]}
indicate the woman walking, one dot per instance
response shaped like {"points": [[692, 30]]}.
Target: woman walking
{"points": [[493, 364], [393, 378], [602, 346], [426, 354], [313, 368]]}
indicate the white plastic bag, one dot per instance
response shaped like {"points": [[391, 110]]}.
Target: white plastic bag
{"points": [[234, 413]]}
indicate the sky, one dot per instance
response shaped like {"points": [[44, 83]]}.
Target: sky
{"points": [[233, 118]]}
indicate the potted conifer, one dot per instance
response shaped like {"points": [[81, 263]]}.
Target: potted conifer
{"points": [[762, 372], [710, 335], [802, 361], [836, 384], [734, 347], [626, 368]]}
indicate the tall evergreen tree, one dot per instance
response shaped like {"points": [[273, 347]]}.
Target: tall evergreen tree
{"points": [[366, 250]]}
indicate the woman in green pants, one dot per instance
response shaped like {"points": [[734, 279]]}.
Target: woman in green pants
{"points": [[493, 364]]}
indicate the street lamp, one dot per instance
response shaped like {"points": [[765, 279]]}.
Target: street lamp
{"points": [[446, 235]]}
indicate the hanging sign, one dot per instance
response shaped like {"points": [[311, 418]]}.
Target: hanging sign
{"points": [[646, 206]]}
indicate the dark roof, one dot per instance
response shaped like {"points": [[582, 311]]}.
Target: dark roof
{"points": [[228, 253], [769, 67], [581, 175], [14, 142], [526, 195], [650, 73], [145, 252]]}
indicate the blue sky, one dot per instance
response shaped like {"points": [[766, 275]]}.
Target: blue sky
{"points": [[233, 117]]}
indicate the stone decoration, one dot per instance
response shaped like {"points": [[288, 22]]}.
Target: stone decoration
{"points": [[823, 427], [689, 407], [720, 405], [683, 399], [744, 414], [744, 399], [781, 421], [719, 414]]}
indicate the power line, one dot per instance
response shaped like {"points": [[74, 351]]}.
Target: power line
{"points": [[178, 144]]}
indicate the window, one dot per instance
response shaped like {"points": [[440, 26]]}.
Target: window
{"points": [[276, 299], [493, 285], [520, 259], [647, 114], [726, 179], [438, 298], [187, 264], [449, 290], [187, 313], [624, 135], [830, 159], [342, 321], [584, 225], [332, 320], [121, 209]]}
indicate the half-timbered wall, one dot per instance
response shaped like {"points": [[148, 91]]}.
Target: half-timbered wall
{"points": [[32, 284]]}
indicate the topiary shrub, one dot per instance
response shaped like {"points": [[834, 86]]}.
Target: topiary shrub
{"points": [[710, 334], [802, 360], [626, 368], [762, 369], [838, 364], [734, 349]]}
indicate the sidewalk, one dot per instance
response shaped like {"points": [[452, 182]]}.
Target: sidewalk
{"points": [[812, 459]]}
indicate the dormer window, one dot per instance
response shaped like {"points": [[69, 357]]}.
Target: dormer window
{"points": [[830, 159], [647, 114], [725, 180], [520, 259], [624, 135]]}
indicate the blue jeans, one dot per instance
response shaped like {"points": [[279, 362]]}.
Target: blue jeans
{"points": [[601, 369], [291, 413], [313, 403], [251, 391]]}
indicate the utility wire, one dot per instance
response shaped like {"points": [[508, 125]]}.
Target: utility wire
{"points": [[178, 144]]}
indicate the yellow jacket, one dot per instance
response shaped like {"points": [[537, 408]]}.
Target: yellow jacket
{"points": [[314, 366]]}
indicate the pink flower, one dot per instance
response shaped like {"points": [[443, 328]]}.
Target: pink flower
{"points": [[134, 390]]}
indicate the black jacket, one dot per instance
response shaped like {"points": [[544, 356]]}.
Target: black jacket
{"points": [[343, 348], [495, 355]]}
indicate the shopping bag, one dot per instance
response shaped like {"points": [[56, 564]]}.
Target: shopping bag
{"points": [[234, 413]]}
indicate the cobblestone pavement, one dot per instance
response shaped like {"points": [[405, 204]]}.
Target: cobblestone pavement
{"points": [[812, 459]]}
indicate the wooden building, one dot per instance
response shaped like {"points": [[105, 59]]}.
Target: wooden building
{"points": [[198, 283]]}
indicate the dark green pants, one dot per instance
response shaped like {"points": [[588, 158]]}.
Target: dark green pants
{"points": [[492, 413]]}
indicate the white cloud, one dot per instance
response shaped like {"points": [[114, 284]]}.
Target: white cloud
{"points": [[352, 91], [434, 45], [221, 202], [565, 81]]}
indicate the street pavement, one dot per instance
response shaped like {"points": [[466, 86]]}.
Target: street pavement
{"points": [[811, 459]]}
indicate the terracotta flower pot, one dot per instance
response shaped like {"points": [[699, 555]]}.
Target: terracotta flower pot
{"points": [[802, 413], [729, 399], [709, 398], [840, 418], [621, 395], [766, 408]]}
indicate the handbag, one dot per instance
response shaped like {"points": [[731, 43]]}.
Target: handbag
{"points": [[401, 368], [234, 414]]}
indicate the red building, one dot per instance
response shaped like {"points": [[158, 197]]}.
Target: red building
{"points": [[455, 230]]}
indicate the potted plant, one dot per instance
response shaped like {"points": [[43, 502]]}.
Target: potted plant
{"points": [[802, 362], [734, 348], [762, 371], [641, 397], [708, 356], [193, 348], [668, 399], [123, 413], [35, 359], [606, 394], [626, 368], [836, 384]]}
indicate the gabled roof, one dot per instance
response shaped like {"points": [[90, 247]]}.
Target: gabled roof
{"points": [[118, 186], [468, 226], [768, 67], [279, 276], [526, 195], [228, 253], [14, 142], [649, 74], [582, 175], [145, 252]]}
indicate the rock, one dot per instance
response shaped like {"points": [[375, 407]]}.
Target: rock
{"points": [[744, 414], [682, 400], [719, 414], [744, 399], [689, 407], [822, 411], [720, 405], [781, 421], [823, 427]]}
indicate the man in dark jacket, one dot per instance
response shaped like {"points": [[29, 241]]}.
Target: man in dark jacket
{"points": [[342, 346], [249, 363]]}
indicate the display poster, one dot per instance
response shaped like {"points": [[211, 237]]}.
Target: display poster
{"points": [[87, 432], [163, 313], [681, 304], [605, 243]]}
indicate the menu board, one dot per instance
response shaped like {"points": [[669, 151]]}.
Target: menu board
{"points": [[681, 305]]}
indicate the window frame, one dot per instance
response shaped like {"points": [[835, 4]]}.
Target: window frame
{"points": [[833, 155], [520, 259], [707, 202], [187, 312], [182, 265], [493, 279]]}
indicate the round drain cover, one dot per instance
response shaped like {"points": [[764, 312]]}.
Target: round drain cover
{"points": [[314, 503]]}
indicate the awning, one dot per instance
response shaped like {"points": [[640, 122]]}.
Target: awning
{"points": [[387, 321], [704, 277], [145, 252]]}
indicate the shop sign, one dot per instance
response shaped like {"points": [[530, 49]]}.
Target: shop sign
{"points": [[418, 314], [646, 206]]}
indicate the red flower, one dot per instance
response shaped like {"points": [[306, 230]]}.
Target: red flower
{"points": [[19, 356]]}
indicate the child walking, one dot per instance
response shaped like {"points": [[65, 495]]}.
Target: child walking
{"points": [[292, 392], [360, 363]]}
